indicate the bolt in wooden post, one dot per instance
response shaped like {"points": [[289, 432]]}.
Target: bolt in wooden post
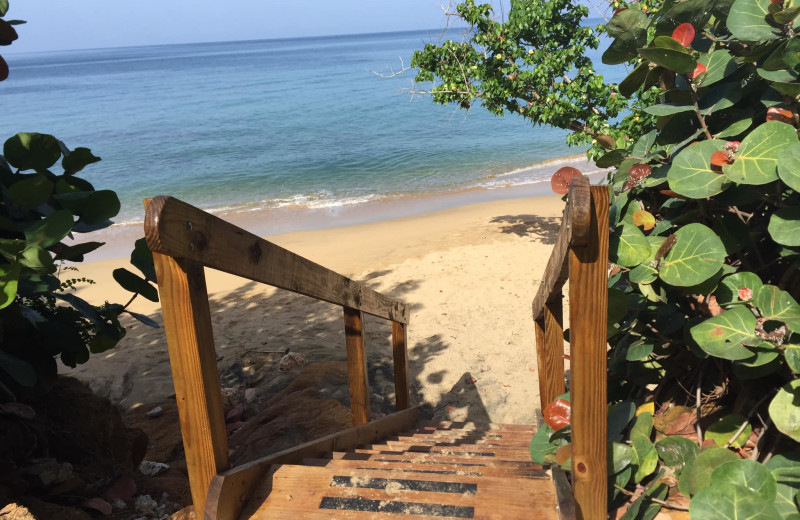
{"points": [[356, 365]]}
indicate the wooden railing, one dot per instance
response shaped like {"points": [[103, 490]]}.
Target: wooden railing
{"points": [[184, 240], [580, 255]]}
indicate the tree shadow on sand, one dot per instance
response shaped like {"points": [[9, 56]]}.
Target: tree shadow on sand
{"points": [[541, 228]]}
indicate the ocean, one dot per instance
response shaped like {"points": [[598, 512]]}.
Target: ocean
{"points": [[301, 126]]}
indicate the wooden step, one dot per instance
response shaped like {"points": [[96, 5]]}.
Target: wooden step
{"points": [[441, 468], [468, 450], [314, 492], [433, 458]]}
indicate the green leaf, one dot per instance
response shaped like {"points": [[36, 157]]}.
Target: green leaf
{"points": [[719, 65], [3, 7], [644, 509], [792, 355], [643, 425], [728, 290], [747, 21], [20, 371], [142, 259], [619, 416], [135, 284], [617, 305], [786, 470], [738, 126], [639, 350], [32, 191], [623, 48], [696, 256], [144, 319], [610, 159], [646, 456], [786, 15], [628, 246], [722, 431], [634, 80], [643, 274], [667, 109], [620, 456], [789, 166], [49, 231], [625, 21], [542, 452], [720, 97], [747, 474], [37, 259], [9, 279], [668, 58], [77, 160], [695, 12], [731, 503], [784, 410], [100, 206], [725, 335], [675, 451], [784, 226], [75, 253], [32, 151], [707, 461], [787, 88], [691, 175], [778, 305], [757, 159]]}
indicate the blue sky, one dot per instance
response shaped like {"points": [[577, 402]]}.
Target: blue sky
{"points": [[82, 24]]}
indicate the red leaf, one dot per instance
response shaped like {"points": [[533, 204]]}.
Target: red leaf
{"points": [[697, 71], [745, 294], [718, 160], [780, 114], [684, 33], [640, 171], [557, 414], [561, 179]]}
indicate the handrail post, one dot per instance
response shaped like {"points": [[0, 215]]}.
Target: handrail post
{"points": [[550, 350], [187, 322], [588, 287], [356, 365], [400, 357]]}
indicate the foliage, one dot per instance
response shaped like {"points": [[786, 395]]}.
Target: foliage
{"points": [[41, 212], [705, 237]]}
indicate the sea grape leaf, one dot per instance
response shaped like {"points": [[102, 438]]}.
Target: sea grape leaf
{"points": [[778, 305], [3, 7], [757, 158], [675, 450], [634, 80], [643, 425], [50, 230], [32, 151], [719, 64], [144, 319], [788, 88], [31, 191], [9, 280], [667, 109], [646, 457], [707, 461], [100, 206], [763, 353], [728, 290], [695, 12], [671, 59], [75, 253], [691, 175], [739, 125], [747, 21], [696, 256], [720, 97], [620, 456], [142, 259], [724, 335], [722, 430], [542, 452], [639, 350], [786, 470], [748, 474], [792, 355], [135, 284], [617, 305], [623, 48], [643, 274], [628, 246], [784, 226], [37, 259], [643, 508], [20, 370], [619, 416], [731, 503], [784, 410], [789, 166], [78, 159], [625, 21]]}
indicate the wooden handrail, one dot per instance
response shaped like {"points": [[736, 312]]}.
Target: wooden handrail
{"points": [[580, 256], [184, 240]]}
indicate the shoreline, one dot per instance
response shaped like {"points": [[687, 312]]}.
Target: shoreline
{"points": [[269, 221]]}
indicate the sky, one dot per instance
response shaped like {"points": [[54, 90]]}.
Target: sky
{"points": [[87, 24]]}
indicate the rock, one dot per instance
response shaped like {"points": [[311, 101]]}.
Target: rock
{"points": [[146, 505], [23, 411], [156, 412], [250, 395], [235, 414], [291, 360], [45, 473], [150, 468]]}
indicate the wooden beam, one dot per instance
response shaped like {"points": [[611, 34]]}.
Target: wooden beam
{"points": [[180, 230], [573, 232], [588, 286], [400, 355], [187, 322], [356, 365], [230, 490], [550, 352]]}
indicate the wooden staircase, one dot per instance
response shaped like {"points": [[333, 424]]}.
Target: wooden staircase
{"points": [[449, 470]]}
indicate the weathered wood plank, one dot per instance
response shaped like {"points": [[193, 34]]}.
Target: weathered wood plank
{"points": [[588, 329], [187, 323], [356, 365], [574, 230], [177, 229], [400, 355], [550, 352], [230, 490]]}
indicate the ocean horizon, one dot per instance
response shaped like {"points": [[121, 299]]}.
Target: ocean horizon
{"points": [[261, 125]]}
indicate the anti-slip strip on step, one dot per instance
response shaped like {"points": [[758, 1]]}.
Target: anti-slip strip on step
{"points": [[426, 449], [407, 508], [467, 473], [471, 465], [405, 485]]}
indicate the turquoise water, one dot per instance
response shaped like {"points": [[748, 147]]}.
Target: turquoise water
{"points": [[268, 124]]}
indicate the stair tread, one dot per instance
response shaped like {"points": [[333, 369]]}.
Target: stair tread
{"points": [[433, 458], [534, 471]]}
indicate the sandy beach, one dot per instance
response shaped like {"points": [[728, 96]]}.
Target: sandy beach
{"points": [[468, 273]]}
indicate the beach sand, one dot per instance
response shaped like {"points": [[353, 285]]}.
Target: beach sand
{"points": [[468, 273]]}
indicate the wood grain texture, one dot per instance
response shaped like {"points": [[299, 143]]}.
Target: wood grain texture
{"points": [[187, 323], [573, 231], [400, 355], [230, 490], [550, 355], [180, 230], [356, 365], [588, 330]]}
